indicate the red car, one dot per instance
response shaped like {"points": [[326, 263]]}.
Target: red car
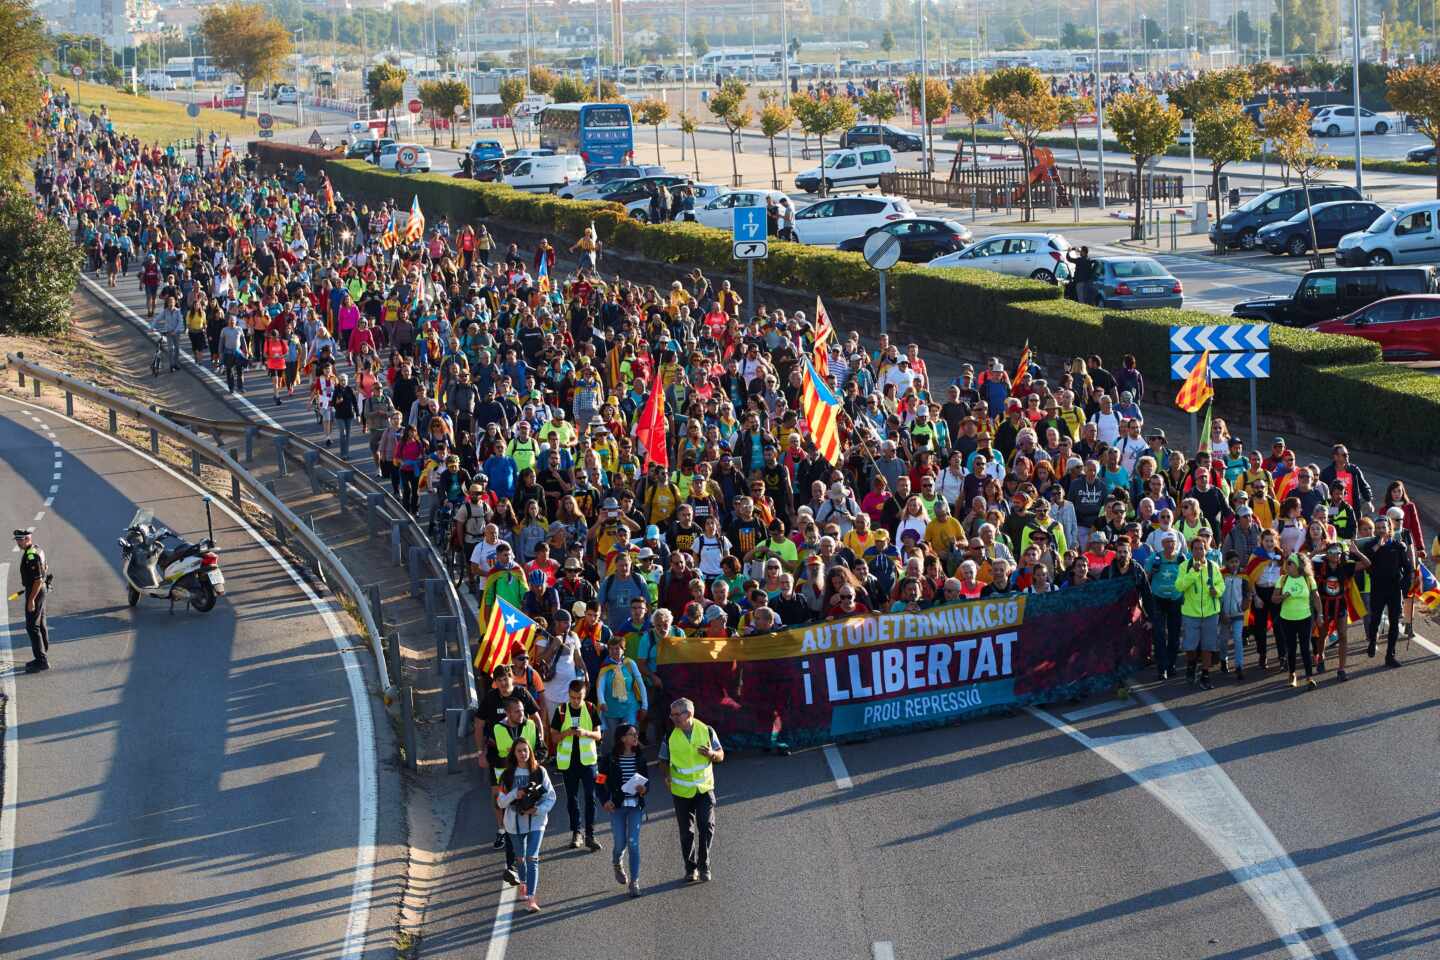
{"points": [[1407, 328]]}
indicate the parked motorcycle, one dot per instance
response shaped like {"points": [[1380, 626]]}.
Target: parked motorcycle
{"points": [[158, 563]]}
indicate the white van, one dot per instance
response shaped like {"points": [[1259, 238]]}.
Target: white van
{"points": [[857, 167], [546, 174]]}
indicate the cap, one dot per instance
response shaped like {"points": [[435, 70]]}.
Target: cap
{"points": [[714, 613], [652, 532], [578, 608], [910, 532], [1099, 536], [23, 532], [1278, 442], [1157, 434], [1074, 462], [1244, 512], [561, 614]]}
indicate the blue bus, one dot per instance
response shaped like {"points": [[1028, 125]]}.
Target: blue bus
{"points": [[602, 134]]}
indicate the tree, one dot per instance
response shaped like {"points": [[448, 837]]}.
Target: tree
{"points": [[245, 40], [441, 97], [775, 120], [1076, 38], [970, 95], [39, 261], [1014, 32], [880, 105], [1416, 91], [1225, 133], [821, 116], [688, 126], [728, 106], [1264, 75], [1287, 125], [937, 105], [1144, 129], [652, 113], [699, 46], [570, 90], [385, 84], [887, 41], [666, 47], [542, 79], [1213, 89], [22, 88], [512, 91], [1071, 109], [1026, 81], [1026, 117]]}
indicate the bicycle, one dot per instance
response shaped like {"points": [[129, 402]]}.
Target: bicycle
{"points": [[160, 357]]}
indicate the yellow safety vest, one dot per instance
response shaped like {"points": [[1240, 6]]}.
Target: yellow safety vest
{"points": [[690, 773], [504, 742], [589, 756]]}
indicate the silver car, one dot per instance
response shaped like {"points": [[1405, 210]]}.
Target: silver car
{"points": [[1134, 283], [1034, 255]]}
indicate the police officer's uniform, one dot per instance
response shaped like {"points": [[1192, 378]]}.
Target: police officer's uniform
{"points": [[34, 581]]}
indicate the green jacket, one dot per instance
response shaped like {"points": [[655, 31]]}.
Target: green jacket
{"points": [[1202, 585]]}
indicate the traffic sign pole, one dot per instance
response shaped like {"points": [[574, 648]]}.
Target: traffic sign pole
{"points": [[1254, 419], [750, 285], [884, 308]]}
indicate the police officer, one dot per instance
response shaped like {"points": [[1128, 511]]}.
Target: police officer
{"points": [[34, 579]]}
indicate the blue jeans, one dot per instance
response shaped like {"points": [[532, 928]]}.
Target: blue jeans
{"points": [[1235, 631], [625, 831], [527, 845], [344, 424]]}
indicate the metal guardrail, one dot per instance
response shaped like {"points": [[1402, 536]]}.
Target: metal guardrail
{"points": [[242, 482], [411, 547]]}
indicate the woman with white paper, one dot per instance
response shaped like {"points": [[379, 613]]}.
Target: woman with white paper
{"points": [[621, 787]]}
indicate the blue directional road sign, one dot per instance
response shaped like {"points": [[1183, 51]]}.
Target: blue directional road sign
{"points": [[748, 224], [1217, 338], [1223, 366]]}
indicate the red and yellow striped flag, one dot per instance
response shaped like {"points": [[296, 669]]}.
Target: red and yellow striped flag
{"points": [[824, 329], [1196, 389], [505, 628], [415, 226], [1023, 366], [821, 409]]}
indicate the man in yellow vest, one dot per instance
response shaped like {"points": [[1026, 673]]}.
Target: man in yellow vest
{"points": [[575, 733], [503, 736], [687, 759]]}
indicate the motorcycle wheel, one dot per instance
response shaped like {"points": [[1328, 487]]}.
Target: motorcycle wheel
{"points": [[202, 598], [132, 596]]}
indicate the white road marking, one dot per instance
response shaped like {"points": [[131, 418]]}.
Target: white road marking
{"points": [[200, 370], [837, 767], [367, 784], [11, 751], [1433, 648], [882, 950], [1096, 710], [504, 917], [1173, 767]]}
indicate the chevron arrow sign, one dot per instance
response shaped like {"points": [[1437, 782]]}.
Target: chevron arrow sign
{"points": [[1220, 338], [1223, 366]]}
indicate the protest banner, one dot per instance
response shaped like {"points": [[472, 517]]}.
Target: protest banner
{"points": [[879, 672]]}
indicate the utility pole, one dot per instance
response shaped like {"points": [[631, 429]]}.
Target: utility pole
{"points": [[597, 49], [1355, 87], [785, 78], [1099, 119], [684, 66], [924, 126]]}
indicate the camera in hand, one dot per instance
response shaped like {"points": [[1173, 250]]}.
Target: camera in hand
{"points": [[531, 796]]}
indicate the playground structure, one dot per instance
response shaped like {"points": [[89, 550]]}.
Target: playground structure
{"points": [[1043, 170]]}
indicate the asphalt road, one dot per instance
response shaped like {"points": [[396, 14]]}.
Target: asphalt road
{"points": [[196, 785]]}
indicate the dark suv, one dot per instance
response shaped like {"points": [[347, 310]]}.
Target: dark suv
{"points": [[1239, 227], [893, 137], [1327, 294]]}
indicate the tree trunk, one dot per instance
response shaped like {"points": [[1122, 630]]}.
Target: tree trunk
{"points": [[695, 153], [823, 191], [974, 147], [657, 144], [1310, 211], [1029, 148], [774, 173], [1137, 233], [734, 162], [1215, 187], [514, 130]]}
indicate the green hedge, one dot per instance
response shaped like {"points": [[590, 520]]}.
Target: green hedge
{"points": [[1336, 381]]}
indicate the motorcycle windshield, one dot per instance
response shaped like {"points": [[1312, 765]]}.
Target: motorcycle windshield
{"points": [[143, 517]]}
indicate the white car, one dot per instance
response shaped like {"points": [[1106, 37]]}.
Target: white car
{"points": [[828, 222], [1033, 255], [390, 158], [285, 93], [704, 193], [233, 91], [157, 80], [1337, 121], [717, 213]]}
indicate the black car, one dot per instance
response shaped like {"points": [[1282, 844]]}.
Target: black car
{"points": [[922, 239], [1327, 294], [643, 187], [893, 137], [1241, 226], [1332, 221], [1422, 155]]}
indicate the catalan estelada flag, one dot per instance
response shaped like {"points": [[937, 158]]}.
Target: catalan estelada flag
{"points": [[391, 236], [1023, 366], [821, 408], [505, 628], [824, 329], [1196, 389], [542, 275], [415, 226], [1429, 596]]}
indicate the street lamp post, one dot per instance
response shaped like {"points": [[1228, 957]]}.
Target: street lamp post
{"points": [[1355, 87], [785, 79], [299, 108], [924, 126], [684, 66], [1099, 119]]}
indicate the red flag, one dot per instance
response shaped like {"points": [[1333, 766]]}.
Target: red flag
{"points": [[650, 429]]}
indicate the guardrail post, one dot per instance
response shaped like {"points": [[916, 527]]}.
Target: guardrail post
{"points": [[342, 480], [195, 462], [114, 422], [235, 489], [431, 587], [392, 655], [69, 404], [21, 374], [154, 440], [312, 465], [407, 717], [446, 627], [413, 562], [397, 541], [250, 434], [280, 444], [319, 570], [372, 512], [453, 716], [35, 382]]}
